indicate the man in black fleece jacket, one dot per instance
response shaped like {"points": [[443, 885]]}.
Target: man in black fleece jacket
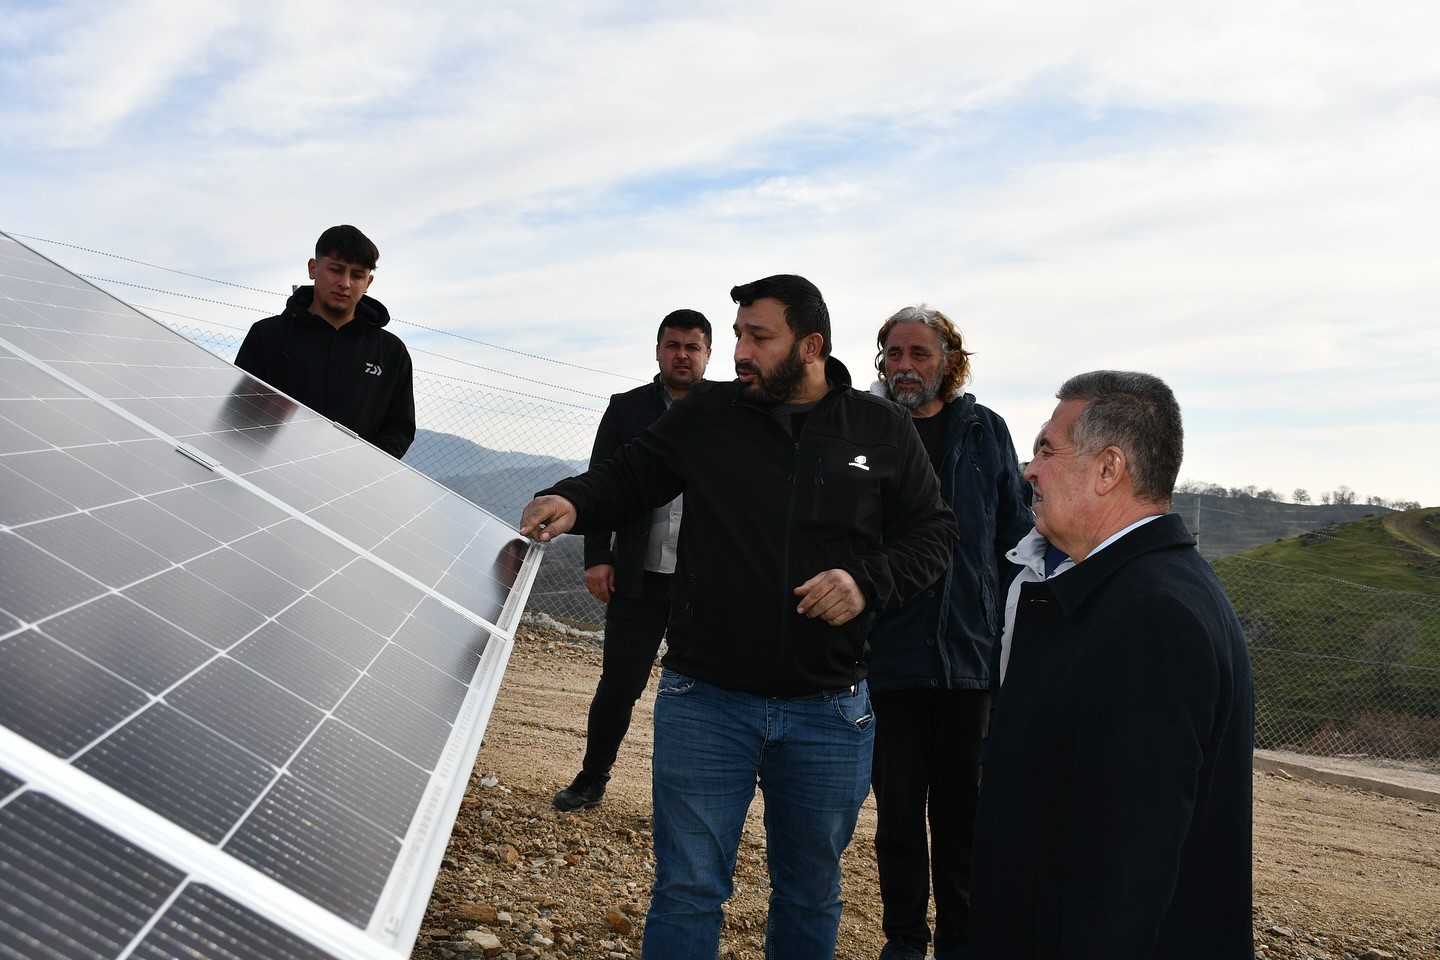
{"points": [[328, 349], [809, 507]]}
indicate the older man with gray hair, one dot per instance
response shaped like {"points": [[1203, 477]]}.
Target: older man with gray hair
{"points": [[1115, 808]]}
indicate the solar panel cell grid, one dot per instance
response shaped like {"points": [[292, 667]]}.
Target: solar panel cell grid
{"points": [[241, 654], [178, 768], [306, 669], [316, 846], [371, 707], [246, 709], [202, 923], [129, 641], [375, 782], [145, 522], [97, 550], [58, 699], [329, 628], [78, 890], [193, 605]]}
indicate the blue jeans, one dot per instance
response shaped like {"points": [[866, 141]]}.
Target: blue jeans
{"points": [[811, 759]]}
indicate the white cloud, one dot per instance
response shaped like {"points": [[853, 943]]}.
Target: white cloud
{"points": [[1238, 196]]}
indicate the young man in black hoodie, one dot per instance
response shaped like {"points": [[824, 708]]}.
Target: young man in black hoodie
{"points": [[328, 349]]}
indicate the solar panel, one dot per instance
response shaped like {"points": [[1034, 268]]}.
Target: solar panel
{"points": [[246, 659]]}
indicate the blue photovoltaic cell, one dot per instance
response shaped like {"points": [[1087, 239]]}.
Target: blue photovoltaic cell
{"points": [[76, 888], [247, 709], [95, 549], [305, 669], [371, 708], [375, 782], [130, 642], [56, 698], [202, 923], [315, 846], [257, 631], [180, 769], [333, 630]]}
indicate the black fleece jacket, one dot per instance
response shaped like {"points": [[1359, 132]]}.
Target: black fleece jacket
{"points": [[764, 512], [359, 375]]}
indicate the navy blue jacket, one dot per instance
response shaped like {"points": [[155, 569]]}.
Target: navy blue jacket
{"points": [[764, 512], [1115, 811], [627, 415], [359, 375], [943, 639]]}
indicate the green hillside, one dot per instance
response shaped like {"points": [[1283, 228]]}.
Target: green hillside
{"points": [[1393, 551], [1344, 631]]}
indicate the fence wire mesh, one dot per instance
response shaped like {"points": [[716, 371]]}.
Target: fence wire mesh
{"points": [[1340, 669]]}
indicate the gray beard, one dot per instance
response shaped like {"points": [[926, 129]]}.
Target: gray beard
{"points": [[913, 399]]}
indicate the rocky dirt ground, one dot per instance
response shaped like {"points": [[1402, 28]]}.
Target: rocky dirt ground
{"points": [[1339, 872]]}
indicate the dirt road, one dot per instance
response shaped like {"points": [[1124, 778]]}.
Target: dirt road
{"points": [[1339, 872]]}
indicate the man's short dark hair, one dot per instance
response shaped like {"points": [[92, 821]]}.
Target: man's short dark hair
{"points": [[805, 310], [1136, 412], [684, 320], [347, 243]]}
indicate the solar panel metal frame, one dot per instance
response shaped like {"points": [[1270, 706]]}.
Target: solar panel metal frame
{"points": [[395, 920]]}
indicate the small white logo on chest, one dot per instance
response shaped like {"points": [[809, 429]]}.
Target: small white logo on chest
{"points": [[860, 462], [373, 368]]}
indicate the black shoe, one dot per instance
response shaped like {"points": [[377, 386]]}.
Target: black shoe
{"points": [[900, 950], [585, 792]]}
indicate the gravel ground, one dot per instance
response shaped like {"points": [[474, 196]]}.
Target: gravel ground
{"points": [[1339, 873]]}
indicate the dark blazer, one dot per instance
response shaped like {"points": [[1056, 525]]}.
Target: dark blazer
{"points": [[628, 414], [1115, 807]]}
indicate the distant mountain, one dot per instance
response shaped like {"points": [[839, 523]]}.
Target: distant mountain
{"points": [[501, 481]]}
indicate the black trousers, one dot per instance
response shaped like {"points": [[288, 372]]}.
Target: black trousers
{"points": [[634, 627], [926, 770]]}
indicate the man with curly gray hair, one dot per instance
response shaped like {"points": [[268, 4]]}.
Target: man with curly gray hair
{"points": [[930, 660]]}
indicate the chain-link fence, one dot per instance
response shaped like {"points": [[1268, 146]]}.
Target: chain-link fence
{"points": [[1341, 669]]}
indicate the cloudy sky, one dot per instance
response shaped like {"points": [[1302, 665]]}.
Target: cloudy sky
{"points": [[1240, 197]]}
